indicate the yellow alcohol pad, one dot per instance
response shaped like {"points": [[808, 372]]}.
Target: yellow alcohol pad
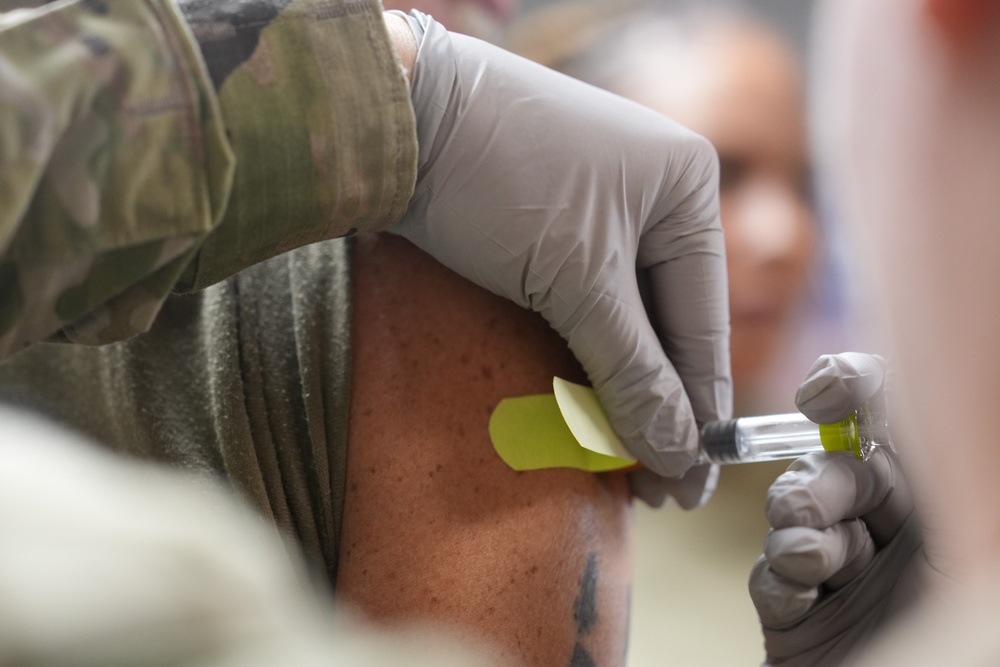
{"points": [[565, 429]]}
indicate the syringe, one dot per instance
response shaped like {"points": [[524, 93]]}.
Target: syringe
{"points": [[789, 436]]}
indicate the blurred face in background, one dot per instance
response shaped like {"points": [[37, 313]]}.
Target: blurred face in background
{"points": [[739, 86], [484, 19]]}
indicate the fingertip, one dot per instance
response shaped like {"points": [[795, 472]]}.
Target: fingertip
{"points": [[823, 397], [791, 500], [779, 601], [801, 555], [838, 384], [647, 486], [695, 487]]}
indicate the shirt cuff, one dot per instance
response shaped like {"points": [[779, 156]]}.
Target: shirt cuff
{"points": [[317, 109]]}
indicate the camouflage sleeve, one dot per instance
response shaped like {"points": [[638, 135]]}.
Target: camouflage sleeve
{"points": [[318, 111], [147, 147]]}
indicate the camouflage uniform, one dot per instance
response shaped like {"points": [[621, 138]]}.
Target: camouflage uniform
{"points": [[150, 146]]}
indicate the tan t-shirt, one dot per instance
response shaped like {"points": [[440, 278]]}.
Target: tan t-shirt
{"points": [[247, 380]]}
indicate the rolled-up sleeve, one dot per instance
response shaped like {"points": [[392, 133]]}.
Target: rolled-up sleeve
{"points": [[149, 147]]}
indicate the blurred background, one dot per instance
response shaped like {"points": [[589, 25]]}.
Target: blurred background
{"points": [[792, 17]]}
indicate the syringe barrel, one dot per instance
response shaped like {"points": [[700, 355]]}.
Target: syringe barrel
{"points": [[765, 438]]}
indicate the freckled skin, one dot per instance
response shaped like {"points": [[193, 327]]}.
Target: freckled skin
{"points": [[442, 530]]}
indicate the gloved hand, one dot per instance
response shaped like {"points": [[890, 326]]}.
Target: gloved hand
{"points": [[845, 551], [562, 198]]}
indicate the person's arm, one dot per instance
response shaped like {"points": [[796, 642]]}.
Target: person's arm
{"points": [[436, 528], [150, 147]]}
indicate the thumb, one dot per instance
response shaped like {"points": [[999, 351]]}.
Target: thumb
{"points": [[838, 384]]}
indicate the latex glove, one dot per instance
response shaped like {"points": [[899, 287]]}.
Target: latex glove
{"points": [[845, 552], [561, 197]]}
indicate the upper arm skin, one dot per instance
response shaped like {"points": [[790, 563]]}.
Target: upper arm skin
{"points": [[436, 527]]}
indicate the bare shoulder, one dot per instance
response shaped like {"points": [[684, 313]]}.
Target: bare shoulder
{"points": [[436, 527]]}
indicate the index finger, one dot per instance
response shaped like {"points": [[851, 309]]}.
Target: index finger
{"points": [[820, 490], [684, 253]]}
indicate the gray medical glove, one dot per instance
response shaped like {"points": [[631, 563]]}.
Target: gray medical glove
{"points": [[562, 197], [845, 550]]}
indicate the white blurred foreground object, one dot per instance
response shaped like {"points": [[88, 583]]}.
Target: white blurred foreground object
{"points": [[112, 562], [908, 103]]}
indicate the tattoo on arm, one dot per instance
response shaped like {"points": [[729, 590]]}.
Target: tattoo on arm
{"points": [[585, 613]]}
